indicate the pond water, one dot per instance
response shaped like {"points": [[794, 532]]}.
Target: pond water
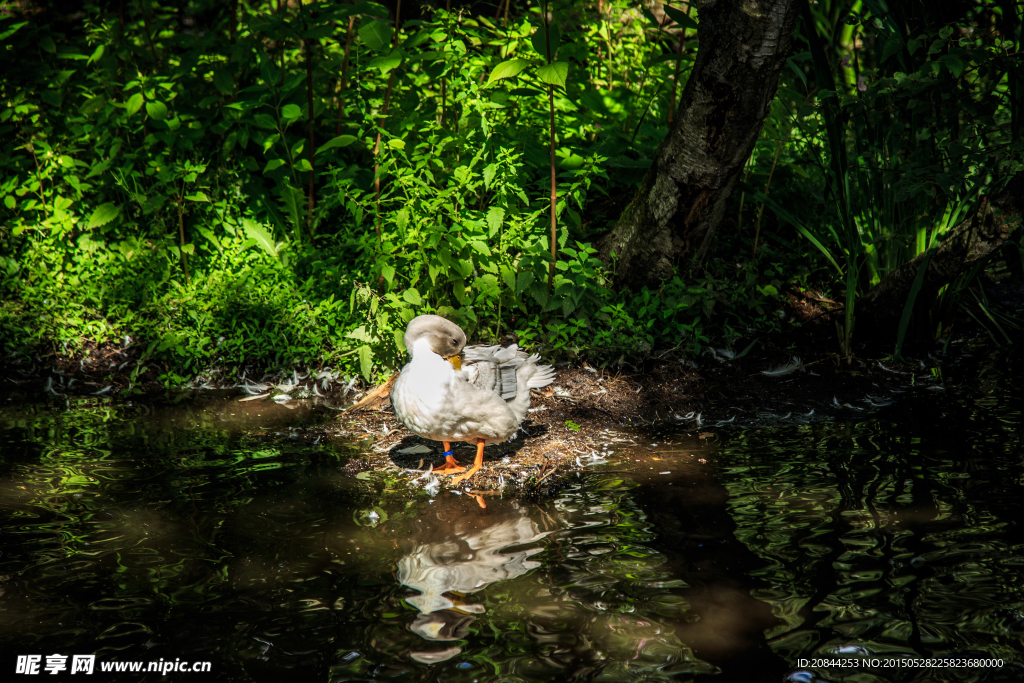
{"points": [[202, 531]]}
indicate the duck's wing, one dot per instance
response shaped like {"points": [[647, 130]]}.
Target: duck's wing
{"points": [[495, 354], [494, 368]]}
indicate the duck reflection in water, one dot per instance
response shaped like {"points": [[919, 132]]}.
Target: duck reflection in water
{"points": [[465, 550]]}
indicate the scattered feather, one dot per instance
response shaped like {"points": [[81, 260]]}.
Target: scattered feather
{"points": [[536, 410], [895, 372], [49, 387], [414, 450], [783, 370], [433, 486], [104, 390], [252, 398]]}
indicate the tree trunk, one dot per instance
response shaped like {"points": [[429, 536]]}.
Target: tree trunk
{"points": [[879, 311], [674, 215]]}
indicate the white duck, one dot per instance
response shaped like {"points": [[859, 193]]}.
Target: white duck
{"points": [[482, 403]]}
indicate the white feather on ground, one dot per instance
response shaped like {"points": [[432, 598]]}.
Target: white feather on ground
{"points": [[783, 370]]}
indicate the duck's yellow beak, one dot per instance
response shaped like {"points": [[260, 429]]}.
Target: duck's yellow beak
{"points": [[456, 361]]}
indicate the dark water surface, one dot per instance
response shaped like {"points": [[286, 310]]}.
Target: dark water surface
{"points": [[201, 531]]}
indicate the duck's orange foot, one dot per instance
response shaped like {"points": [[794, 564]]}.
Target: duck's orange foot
{"points": [[449, 466], [463, 477], [477, 464]]}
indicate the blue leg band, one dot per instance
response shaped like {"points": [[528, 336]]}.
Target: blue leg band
{"points": [[447, 453]]}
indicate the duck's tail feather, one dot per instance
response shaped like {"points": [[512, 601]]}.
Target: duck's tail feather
{"points": [[529, 376], [541, 376]]}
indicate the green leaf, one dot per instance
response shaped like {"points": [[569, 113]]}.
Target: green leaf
{"points": [[388, 272], [892, 45], [508, 69], [955, 65], [523, 280], [396, 144], [265, 121], [292, 200], [100, 167], [96, 55], [495, 217], [93, 105], [539, 40], [103, 214], [197, 197], [554, 73], [359, 333], [46, 42], [156, 110], [386, 63], [366, 361], [679, 17], [258, 233], [303, 165], [269, 71], [51, 97], [223, 81], [340, 141], [376, 34], [273, 165], [134, 103], [290, 112], [412, 295]]}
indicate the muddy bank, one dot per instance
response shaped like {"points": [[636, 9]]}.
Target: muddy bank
{"points": [[589, 416]]}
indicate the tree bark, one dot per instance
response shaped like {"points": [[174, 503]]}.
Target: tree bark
{"points": [[674, 215], [879, 311]]}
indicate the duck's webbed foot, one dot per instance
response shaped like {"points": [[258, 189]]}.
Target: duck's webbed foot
{"points": [[477, 464], [449, 466]]}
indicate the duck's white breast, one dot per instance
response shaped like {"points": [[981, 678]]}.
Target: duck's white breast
{"points": [[422, 397]]}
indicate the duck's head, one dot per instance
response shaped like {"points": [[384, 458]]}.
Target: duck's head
{"points": [[442, 336]]}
